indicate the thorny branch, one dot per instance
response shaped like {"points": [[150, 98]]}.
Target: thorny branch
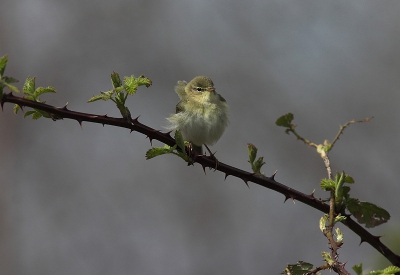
{"points": [[205, 161]]}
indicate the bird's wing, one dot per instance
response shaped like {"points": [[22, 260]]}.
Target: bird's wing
{"points": [[221, 98], [180, 89], [180, 107]]}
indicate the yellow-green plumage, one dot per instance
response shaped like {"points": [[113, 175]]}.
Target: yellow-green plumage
{"points": [[201, 115]]}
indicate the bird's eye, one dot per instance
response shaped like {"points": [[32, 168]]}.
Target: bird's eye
{"points": [[198, 89]]}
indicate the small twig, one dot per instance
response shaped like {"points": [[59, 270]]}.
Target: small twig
{"points": [[343, 127], [319, 268], [306, 141]]}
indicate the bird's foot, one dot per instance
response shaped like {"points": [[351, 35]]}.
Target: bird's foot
{"points": [[212, 156]]}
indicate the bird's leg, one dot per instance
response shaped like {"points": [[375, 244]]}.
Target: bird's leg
{"points": [[193, 151], [212, 155]]}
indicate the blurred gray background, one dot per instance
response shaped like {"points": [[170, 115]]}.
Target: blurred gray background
{"points": [[85, 201]]}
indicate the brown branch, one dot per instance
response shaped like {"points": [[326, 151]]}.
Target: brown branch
{"points": [[205, 161]]}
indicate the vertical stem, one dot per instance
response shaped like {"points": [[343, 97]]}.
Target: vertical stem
{"points": [[332, 195]]}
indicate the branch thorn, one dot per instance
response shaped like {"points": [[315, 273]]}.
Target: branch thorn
{"points": [[226, 175], [150, 138], [273, 175], [65, 107], [204, 168]]}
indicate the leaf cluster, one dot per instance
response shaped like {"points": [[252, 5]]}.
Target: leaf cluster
{"points": [[6, 81], [179, 149], [365, 212], [121, 91], [255, 164], [29, 91], [391, 270]]}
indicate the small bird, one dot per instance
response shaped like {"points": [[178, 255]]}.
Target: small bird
{"points": [[201, 115]]}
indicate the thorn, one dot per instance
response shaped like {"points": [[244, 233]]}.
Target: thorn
{"points": [[273, 175], [204, 168], [106, 115], [65, 107], [362, 240], [135, 120], [286, 198], [168, 134], [226, 175], [289, 197], [312, 193], [245, 181], [378, 238], [150, 139], [80, 123]]}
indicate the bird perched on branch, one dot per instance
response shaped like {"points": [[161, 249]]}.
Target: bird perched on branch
{"points": [[201, 115]]}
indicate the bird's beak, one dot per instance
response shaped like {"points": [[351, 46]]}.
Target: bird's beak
{"points": [[211, 90]]}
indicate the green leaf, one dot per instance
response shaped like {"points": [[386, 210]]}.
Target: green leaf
{"points": [[103, 95], [179, 140], [358, 269], [16, 108], [387, 271], [367, 213], [346, 190], [131, 84], [12, 88], [116, 80], [339, 181], [36, 115], [349, 179], [3, 64], [256, 166], [42, 90], [95, 98], [340, 218], [144, 81], [322, 222], [285, 120], [327, 184], [297, 269], [107, 95], [339, 235], [158, 151], [183, 156], [391, 270], [327, 257], [252, 151], [29, 113], [44, 114], [29, 86], [8, 79]]}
